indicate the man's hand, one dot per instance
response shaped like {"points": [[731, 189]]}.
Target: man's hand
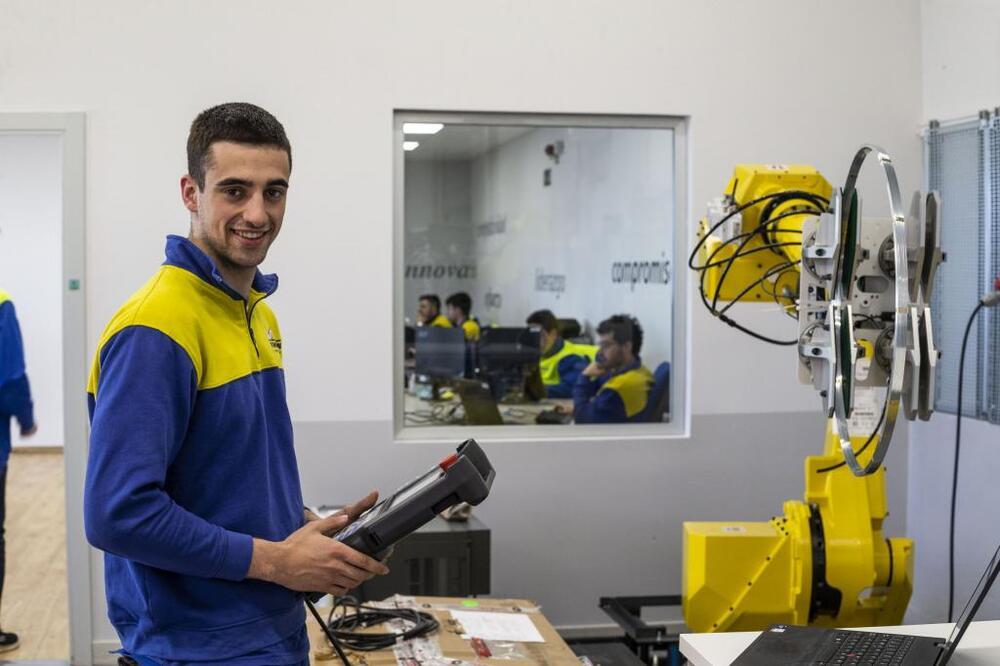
{"points": [[352, 510], [30, 431], [593, 370], [359, 507], [309, 561]]}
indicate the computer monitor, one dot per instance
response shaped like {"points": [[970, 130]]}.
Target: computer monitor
{"points": [[503, 349], [440, 352], [507, 358]]}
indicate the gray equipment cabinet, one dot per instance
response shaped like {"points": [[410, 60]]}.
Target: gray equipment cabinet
{"points": [[441, 559]]}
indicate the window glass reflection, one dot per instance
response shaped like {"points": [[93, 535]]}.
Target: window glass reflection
{"points": [[538, 274]]}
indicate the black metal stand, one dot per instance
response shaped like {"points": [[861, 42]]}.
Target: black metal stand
{"points": [[648, 641]]}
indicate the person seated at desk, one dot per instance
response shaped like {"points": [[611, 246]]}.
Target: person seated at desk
{"points": [[614, 388], [429, 312], [459, 306], [562, 361]]}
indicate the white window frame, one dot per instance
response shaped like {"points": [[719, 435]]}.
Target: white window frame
{"points": [[680, 423]]}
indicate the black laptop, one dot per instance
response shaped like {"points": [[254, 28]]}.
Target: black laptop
{"points": [[785, 644], [480, 407]]}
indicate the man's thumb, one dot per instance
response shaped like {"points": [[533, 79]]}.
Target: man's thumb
{"points": [[330, 524]]}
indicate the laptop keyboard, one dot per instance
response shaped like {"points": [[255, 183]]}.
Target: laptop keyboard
{"points": [[862, 647]]}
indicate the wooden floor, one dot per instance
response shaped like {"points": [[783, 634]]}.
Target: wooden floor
{"points": [[34, 603]]}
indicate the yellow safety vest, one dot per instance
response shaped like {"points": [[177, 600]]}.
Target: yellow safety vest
{"points": [[549, 365], [440, 321]]}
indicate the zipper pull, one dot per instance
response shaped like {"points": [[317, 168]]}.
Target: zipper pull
{"points": [[248, 311]]}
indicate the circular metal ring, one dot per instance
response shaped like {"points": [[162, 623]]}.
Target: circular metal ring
{"points": [[841, 304]]}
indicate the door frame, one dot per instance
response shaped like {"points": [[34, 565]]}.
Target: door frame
{"points": [[71, 127]]}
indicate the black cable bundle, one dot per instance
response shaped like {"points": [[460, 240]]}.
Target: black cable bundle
{"points": [[765, 227], [954, 474], [340, 631]]}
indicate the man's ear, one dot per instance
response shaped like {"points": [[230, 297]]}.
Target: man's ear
{"points": [[190, 193]]}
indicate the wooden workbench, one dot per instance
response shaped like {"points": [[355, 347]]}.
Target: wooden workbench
{"points": [[453, 647]]}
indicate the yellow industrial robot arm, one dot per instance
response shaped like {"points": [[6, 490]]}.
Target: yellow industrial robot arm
{"points": [[782, 234], [749, 245]]}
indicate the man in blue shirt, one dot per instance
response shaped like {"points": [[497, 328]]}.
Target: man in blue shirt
{"points": [[615, 387], [192, 485], [459, 307], [429, 312], [561, 361], [15, 402]]}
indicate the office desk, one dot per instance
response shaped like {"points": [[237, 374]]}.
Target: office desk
{"points": [[418, 412], [524, 414], [979, 646]]}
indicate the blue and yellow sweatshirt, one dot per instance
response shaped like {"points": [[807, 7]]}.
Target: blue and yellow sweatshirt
{"points": [[15, 393], [190, 458], [440, 321], [561, 365], [618, 397], [471, 329]]}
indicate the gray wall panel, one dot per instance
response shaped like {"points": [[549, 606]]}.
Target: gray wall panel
{"points": [[572, 521], [977, 529]]}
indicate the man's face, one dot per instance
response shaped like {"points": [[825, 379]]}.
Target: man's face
{"points": [[455, 314], [426, 311], [238, 214], [546, 338], [614, 355]]}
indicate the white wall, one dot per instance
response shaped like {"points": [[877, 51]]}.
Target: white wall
{"points": [[333, 73], [610, 200], [961, 75], [31, 270], [960, 42]]}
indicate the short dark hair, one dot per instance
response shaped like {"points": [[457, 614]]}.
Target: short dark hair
{"points": [[622, 328], [432, 299], [545, 319], [462, 301], [238, 122]]}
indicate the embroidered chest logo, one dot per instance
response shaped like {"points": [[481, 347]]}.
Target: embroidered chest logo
{"points": [[275, 343]]}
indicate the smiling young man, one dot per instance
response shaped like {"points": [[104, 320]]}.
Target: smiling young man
{"points": [[192, 487]]}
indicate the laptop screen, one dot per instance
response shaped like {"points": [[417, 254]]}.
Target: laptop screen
{"points": [[977, 598]]}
